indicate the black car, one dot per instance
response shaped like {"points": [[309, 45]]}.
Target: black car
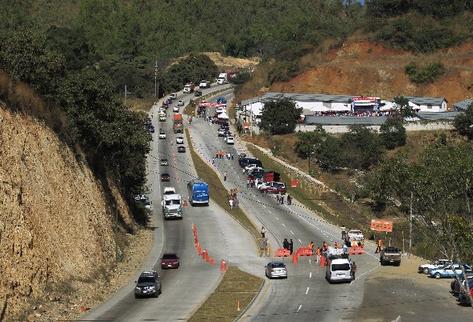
{"points": [[165, 177], [148, 285], [197, 93], [181, 149], [247, 161]]}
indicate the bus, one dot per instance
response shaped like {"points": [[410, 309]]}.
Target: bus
{"points": [[198, 192]]}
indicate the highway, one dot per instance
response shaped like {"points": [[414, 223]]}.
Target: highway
{"points": [[305, 295], [186, 288]]}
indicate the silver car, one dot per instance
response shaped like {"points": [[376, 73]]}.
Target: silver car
{"points": [[276, 270]]}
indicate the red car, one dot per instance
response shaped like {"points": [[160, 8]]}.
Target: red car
{"points": [[169, 260]]}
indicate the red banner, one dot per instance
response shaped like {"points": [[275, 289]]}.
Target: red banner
{"points": [[381, 225], [294, 183]]}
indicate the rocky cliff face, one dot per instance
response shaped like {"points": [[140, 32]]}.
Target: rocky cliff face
{"points": [[57, 232]]}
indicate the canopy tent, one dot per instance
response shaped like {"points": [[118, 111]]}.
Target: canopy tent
{"points": [[223, 116]]}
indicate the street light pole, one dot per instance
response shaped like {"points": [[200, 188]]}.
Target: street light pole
{"points": [[156, 79], [410, 223]]}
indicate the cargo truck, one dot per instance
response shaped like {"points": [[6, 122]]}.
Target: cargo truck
{"points": [[198, 192], [177, 123]]}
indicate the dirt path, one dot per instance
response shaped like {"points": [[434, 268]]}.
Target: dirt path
{"points": [[393, 292]]}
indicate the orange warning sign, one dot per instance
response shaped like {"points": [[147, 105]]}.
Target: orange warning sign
{"points": [[381, 225], [294, 183]]}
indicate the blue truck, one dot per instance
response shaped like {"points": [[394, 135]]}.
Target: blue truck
{"points": [[198, 192]]}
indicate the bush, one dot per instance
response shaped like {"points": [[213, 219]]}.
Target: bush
{"points": [[280, 116], [464, 123], [426, 74], [393, 133]]}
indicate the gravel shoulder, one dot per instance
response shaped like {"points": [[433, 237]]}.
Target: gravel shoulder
{"points": [[392, 292]]}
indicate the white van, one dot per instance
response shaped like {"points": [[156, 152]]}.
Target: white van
{"points": [[339, 270]]}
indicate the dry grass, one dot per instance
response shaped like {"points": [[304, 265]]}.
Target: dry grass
{"points": [[140, 104], [218, 192], [222, 304]]}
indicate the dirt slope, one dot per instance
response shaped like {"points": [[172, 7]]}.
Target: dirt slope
{"points": [[57, 240], [364, 68]]}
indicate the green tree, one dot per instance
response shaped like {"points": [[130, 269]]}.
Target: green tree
{"points": [[405, 110], [309, 142], [361, 147], [393, 133], [330, 154], [280, 116], [464, 123]]}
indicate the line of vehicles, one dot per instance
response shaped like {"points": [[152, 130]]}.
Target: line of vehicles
{"points": [[262, 179], [462, 274]]}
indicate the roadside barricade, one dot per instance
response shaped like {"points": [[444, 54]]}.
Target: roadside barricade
{"points": [[356, 250], [304, 251], [282, 252]]}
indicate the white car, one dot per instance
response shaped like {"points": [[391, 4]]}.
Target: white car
{"points": [[173, 96], [204, 84], [276, 270], [175, 109], [169, 191], [179, 140], [250, 167], [180, 103], [162, 136], [230, 140], [356, 235], [425, 268], [339, 270]]}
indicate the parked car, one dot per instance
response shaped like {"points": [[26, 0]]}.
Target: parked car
{"points": [[459, 282], [169, 260], [197, 93], [181, 149], [180, 103], [276, 187], [175, 109], [390, 255], [449, 271], [204, 84], [424, 268], [355, 234], [276, 270], [179, 140], [148, 285], [164, 162], [230, 140], [165, 177], [243, 162], [173, 96], [250, 167], [162, 135], [221, 132]]}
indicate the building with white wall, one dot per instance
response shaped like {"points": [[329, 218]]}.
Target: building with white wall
{"points": [[428, 104]]}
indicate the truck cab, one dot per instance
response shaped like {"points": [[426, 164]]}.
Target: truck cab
{"points": [[189, 88], [172, 206], [222, 78]]}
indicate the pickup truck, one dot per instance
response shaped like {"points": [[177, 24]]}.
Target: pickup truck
{"points": [[390, 255]]}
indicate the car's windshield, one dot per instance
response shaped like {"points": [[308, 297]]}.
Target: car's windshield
{"points": [[340, 267], [169, 256], [146, 279], [175, 201]]}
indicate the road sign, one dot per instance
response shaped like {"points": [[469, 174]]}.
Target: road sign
{"points": [[294, 183], [381, 225]]}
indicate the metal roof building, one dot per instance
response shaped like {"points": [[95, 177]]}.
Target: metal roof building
{"points": [[462, 105], [428, 104]]}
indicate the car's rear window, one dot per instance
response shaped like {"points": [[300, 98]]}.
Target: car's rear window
{"points": [[146, 279], [277, 265], [340, 267], [169, 256]]}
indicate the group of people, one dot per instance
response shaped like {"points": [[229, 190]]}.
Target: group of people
{"points": [[280, 199], [354, 114], [220, 154]]}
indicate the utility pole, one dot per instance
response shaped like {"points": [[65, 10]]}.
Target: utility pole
{"points": [[156, 79], [410, 223]]}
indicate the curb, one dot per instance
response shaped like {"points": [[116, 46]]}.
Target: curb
{"points": [[260, 297]]}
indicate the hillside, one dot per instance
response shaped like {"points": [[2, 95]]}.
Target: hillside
{"points": [[58, 233], [366, 68]]}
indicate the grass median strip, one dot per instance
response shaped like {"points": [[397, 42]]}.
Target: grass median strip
{"points": [[237, 288], [217, 191]]}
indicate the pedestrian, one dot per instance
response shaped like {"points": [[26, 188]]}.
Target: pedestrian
{"points": [[213, 161], [311, 245], [324, 246], [248, 183], [285, 244], [277, 198], [263, 232], [231, 203], [282, 199], [289, 200], [378, 246], [224, 176], [353, 270], [317, 252], [345, 249], [291, 246], [344, 232], [231, 155]]}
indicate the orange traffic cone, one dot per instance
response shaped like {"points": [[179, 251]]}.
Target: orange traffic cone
{"points": [[223, 266]]}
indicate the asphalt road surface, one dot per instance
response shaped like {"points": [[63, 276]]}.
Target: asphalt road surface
{"points": [[186, 288], [305, 295]]}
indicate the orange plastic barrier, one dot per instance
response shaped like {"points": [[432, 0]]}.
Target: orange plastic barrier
{"points": [[205, 255], [305, 251], [210, 260], [356, 250], [223, 266], [323, 261], [282, 252], [295, 258]]}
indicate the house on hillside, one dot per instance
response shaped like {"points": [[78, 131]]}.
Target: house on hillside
{"points": [[428, 104], [462, 105]]}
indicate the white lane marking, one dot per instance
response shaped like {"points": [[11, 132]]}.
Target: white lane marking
{"points": [[299, 308], [307, 290], [264, 206], [276, 218], [368, 271], [284, 225], [310, 274], [291, 232], [300, 241], [310, 261]]}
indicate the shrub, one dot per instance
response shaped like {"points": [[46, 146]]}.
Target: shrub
{"points": [[426, 74]]}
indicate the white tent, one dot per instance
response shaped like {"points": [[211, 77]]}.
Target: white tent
{"points": [[223, 116]]}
